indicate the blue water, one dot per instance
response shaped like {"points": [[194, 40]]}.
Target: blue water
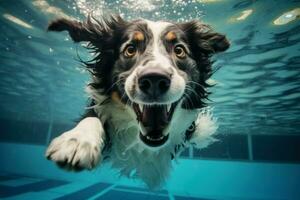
{"points": [[256, 96]]}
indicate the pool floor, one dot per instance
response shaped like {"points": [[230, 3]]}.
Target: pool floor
{"points": [[14, 186]]}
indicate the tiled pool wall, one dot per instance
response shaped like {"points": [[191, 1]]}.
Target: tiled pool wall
{"points": [[200, 179], [253, 147]]}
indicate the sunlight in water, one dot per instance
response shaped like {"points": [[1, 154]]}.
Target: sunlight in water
{"points": [[244, 14], [241, 16], [180, 10], [287, 17], [209, 1], [16, 20], [48, 9]]}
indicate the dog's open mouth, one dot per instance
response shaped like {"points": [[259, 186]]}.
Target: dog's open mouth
{"points": [[154, 122]]}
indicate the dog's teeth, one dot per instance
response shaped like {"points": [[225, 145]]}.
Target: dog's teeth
{"points": [[153, 139], [166, 130], [141, 107], [169, 107], [143, 130]]}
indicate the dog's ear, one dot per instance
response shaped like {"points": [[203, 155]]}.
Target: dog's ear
{"points": [[102, 35], [92, 30], [204, 42], [203, 38]]}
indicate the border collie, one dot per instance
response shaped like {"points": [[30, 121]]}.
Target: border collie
{"points": [[147, 95]]}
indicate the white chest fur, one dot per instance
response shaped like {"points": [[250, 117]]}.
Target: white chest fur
{"points": [[131, 156]]}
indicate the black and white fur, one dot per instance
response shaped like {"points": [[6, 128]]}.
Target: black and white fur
{"points": [[114, 125]]}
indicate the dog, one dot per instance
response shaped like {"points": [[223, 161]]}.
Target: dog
{"points": [[148, 95]]}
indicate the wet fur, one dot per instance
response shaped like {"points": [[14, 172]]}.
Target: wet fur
{"points": [[119, 140]]}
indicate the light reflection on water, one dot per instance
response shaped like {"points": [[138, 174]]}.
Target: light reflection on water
{"points": [[257, 87]]}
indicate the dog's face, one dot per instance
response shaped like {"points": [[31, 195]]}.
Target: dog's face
{"points": [[154, 67], [151, 66]]}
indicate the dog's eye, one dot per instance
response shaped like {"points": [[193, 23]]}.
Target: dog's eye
{"points": [[179, 50], [130, 51]]}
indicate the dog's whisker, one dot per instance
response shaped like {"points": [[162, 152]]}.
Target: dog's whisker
{"points": [[188, 95], [123, 95], [192, 90], [115, 83], [198, 84], [189, 100]]}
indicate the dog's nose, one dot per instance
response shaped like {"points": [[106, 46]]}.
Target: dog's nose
{"points": [[154, 82]]}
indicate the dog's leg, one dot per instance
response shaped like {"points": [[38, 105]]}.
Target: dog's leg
{"points": [[79, 148], [206, 127]]}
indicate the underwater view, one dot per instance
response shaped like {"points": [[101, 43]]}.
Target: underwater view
{"points": [[254, 100]]}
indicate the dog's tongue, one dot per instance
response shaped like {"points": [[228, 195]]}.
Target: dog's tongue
{"points": [[154, 119]]}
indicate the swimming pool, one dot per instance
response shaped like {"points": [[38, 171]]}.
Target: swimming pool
{"points": [[256, 100]]}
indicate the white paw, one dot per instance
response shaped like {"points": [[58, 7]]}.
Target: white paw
{"points": [[75, 150], [206, 127]]}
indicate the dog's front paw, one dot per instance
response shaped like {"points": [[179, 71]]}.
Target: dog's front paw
{"points": [[75, 150]]}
